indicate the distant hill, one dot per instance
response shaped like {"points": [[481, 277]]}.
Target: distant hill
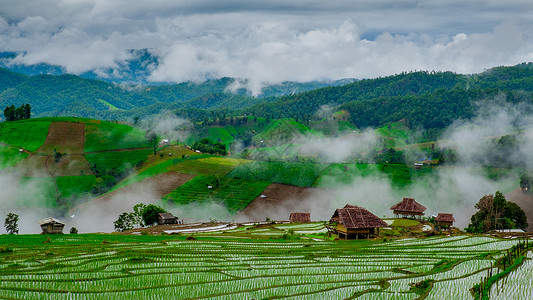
{"points": [[432, 100], [429, 100], [70, 95]]}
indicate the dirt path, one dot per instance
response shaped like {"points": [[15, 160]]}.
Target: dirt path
{"points": [[280, 201], [525, 201]]}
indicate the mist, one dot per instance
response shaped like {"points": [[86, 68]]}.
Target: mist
{"points": [[452, 188]]}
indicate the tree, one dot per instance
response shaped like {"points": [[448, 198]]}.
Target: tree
{"points": [[153, 140], [525, 182], [73, 230], [496, 213], [150, 213], [124, 222], [137, 214], [11, 223], [20, 113]]}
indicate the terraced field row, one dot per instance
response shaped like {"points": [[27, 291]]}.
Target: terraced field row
{"points": [[150, 267], [235, 194]]}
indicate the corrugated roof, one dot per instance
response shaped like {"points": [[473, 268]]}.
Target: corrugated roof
{"points": [[409, 205], [445, 218], [352, 216], [50, 220]]}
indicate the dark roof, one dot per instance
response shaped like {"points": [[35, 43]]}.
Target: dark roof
{"points": [[409, 205], [352, 216], [445, 218], [300, 217], [166, 216]]}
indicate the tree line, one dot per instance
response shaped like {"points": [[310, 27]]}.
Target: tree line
{"points": [[20, 113]]}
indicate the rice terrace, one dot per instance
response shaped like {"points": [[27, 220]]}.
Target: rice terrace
{"points": [[119, 183]]}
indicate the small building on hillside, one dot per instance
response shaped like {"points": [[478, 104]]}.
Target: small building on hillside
{"points": [[408, 207], [300, 217], [354, 222], [166, 218], [444, 219], [51, 225]]}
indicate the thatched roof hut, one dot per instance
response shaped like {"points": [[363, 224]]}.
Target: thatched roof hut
{"points": [[356, 222], [445, 219], [51, 225], [408, 207], [166, 218], [300, 217]]}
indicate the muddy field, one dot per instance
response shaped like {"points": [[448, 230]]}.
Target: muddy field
{"points": [[146, 191], [280, 201], [45, 165], [64, 137]]}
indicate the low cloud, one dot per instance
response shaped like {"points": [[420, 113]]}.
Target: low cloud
{"points": [[268, 43]]}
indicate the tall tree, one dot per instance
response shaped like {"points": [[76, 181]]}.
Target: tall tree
{"points": [[153, 139], [11, 223], [496, 213]]}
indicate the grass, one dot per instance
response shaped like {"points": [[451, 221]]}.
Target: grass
{"points": [[234, 194], [281, 131], [96, 266], [10, 156], [405, 223], [298, 174], [26, 134], [111, 136], [74, 186], [221, 134], [208, 166]]}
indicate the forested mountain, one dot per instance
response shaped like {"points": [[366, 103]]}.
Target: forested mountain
{"points": [[52, 95], [432, 100], [427, 99]]}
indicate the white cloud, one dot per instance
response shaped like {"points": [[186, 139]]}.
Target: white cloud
{"points": [[268, 42]]}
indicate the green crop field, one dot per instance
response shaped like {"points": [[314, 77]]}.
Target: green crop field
{"points": [[119, 160], [111, 136], [170, 267], [299, 174], [234, 194], [26, 134]]}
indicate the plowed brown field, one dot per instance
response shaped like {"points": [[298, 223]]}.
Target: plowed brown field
{"points": [[64, 137]]}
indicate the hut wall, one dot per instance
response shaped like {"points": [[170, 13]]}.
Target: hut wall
{"points": [[444, 223]]}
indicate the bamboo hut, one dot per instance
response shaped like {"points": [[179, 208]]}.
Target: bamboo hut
{"points": [[408, 207], [166, 218], [444, 219], [300, 217], [356, 222], [51, 225]]}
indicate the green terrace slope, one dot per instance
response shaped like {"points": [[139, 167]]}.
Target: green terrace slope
{"points": [[64, 159]]}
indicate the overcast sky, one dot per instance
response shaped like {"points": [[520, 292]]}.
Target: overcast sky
{"points": [[271, 41]]}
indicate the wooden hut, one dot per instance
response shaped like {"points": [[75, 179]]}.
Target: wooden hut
{"points": [[356, 222], [166, 218], [444, 219], [51, 225], [408, 207], [300, 217]]}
